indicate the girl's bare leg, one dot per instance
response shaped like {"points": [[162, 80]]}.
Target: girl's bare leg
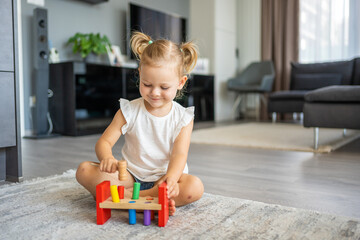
{"points": [[190, 190], [89, 175]]}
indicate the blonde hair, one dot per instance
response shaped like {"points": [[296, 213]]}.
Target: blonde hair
{"points": [[163, 52]]}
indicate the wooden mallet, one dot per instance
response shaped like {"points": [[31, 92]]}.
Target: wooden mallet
{"points": [[122, 166]]}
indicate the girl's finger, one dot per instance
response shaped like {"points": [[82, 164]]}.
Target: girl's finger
{"points": [[169, 185], [171, 188], [108, 168], [102, 166], [114, 168]]}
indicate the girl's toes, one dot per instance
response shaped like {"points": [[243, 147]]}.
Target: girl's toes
{"points": [[172, 208]]}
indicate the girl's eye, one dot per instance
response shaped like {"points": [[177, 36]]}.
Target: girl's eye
{"points": [[164, 88], [147, 85]]}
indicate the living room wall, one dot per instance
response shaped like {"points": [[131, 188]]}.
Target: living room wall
{"points": [[248, 39], [66, 17], [248, 32], [227, 26], [216, 35]]}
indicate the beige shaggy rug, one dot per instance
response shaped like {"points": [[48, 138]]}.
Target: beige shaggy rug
{"points": [[58, 207], [277, 136]]}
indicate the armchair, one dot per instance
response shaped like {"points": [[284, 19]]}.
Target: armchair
{"points": [[257, 78]]}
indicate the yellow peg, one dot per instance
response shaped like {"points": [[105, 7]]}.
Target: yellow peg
{"points": [[114, 193]]}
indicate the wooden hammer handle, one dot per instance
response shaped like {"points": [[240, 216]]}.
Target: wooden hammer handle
{"points": [[122, 168]]}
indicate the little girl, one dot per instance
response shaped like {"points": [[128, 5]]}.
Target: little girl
{"points": [[157, 130]]}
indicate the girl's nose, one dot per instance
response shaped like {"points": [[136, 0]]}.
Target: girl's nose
{"points": [[155, 91]]}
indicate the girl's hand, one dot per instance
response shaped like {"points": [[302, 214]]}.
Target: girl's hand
{"points": [[109, 165], [174, 192], [172, 186]]}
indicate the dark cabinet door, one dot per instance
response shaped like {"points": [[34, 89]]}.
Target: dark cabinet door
{"points": [[7, 110], [6, 36]]}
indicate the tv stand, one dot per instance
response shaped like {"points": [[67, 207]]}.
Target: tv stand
{"points": [[85, 95]]}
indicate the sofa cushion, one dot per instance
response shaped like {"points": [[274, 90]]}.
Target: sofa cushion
{"points": [[345, 68], [313, 81], [336, 94], [286, 105], [287, 95], [335, 115]]}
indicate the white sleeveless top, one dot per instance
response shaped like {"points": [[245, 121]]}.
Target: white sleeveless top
{"points": [[149, 139]]}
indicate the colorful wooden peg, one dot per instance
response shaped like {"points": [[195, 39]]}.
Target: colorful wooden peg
{"points": [[147, 217], [136, 191], [114, 193], [121, 190], [132, 215]]}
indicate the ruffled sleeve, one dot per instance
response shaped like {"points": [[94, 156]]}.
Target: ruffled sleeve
{"points": [[186, 118], [125, 107]]}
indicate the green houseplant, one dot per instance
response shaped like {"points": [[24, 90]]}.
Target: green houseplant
{"points": [[86, 43]]}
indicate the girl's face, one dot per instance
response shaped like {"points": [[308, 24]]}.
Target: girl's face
{"points": [[158, 86]]}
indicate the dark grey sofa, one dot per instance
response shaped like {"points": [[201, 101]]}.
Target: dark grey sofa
{"points": [[332, 107], [307, 77], [336, 105]]}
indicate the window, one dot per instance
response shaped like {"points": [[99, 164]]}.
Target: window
{"points": [[329, 30]]}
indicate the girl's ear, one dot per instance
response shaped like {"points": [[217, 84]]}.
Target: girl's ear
{"points": [[182, 82]]}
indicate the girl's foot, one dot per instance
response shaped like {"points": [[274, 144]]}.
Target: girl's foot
{"points": [[172, 208]]}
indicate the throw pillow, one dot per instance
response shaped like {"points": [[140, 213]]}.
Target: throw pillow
{"points": [[313, 81]]}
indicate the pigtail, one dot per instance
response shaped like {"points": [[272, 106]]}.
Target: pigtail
{"points": [[190, 52], [139, 41]]}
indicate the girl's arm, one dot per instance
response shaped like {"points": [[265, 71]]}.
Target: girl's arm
{"points": [[178, 159], [104, 145]]}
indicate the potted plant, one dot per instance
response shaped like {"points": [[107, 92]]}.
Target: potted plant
{"points": [[87, 43]]}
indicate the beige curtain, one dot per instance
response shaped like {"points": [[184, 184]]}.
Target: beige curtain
{"points": [[280, 37]]}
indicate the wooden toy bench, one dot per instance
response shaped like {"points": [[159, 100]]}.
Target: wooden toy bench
{"points": [[107, 199]]}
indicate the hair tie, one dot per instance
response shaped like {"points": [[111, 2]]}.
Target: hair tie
{"points": [[150, 42], [181, 50]]}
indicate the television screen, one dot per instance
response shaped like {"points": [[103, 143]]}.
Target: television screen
{"points": [[157, 24]]}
